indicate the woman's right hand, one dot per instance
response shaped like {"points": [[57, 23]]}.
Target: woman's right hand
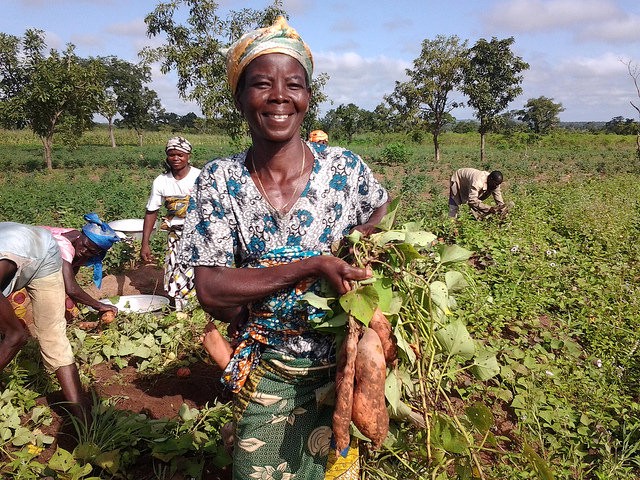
{"points": [[145, 253], [339, 273]]}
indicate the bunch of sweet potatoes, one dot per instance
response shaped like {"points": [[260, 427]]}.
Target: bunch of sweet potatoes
{"points": [[360, 380]]}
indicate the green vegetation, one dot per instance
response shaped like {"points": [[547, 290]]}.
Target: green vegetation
{"points": [[551, 290]]}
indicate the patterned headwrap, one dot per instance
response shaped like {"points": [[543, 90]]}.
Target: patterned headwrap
{"points": [[178, 143], [104, 237], [318, 136], [278, 38]]}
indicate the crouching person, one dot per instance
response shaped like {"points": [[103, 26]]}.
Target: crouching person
{"points": [[30, 258]]}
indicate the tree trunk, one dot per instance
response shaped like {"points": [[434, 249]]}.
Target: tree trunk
{"points": [[482, 137], [638, 145], [111, 136], [436, 147], [139, 139], [47, 144]]}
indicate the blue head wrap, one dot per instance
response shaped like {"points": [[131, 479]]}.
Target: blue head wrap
{"points": [[104, 237]]}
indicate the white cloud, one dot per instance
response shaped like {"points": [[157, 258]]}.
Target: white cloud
{"points": [[619, 30], [134, 28], [545, 15], [583, 85], [166, 88], [359, 80]]}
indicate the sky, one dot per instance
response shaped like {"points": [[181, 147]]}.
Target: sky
{"points": [[577, 50]]}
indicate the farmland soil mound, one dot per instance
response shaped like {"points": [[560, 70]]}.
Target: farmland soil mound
{"points": [[143, 280], [157, 396]]}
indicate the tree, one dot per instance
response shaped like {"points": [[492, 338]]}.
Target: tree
{"points": [[492, 79], [621, 126], [436, 73], [141, 111], [124, 93], [634, 73], [54, 93], [195, 50], [346, 120], [541, 114], [317, 97]]}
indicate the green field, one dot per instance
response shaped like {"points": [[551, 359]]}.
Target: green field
{"points": [[553, 288]]}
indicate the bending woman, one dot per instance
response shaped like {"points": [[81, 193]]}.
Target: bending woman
{"points": [[258, 234]]}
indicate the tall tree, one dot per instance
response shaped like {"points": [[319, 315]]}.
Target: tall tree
{"points": [[634, 73], [49, 93], [317, 97], [141, 111], [125, 94], [541, 114], [436, 73], [492, 79], [195, 50]]}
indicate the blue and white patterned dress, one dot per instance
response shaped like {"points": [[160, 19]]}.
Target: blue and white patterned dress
{"points": [[230, 224]]}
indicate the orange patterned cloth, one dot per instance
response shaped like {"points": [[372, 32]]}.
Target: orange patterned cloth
{"points": [[21, 303], [278, 38]]}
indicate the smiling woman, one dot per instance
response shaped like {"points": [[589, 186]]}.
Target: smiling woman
{"points": [[258, 232]]}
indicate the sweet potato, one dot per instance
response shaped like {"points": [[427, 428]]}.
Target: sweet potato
{"points": [[107, 317], [369, 412], [382, 327], [345, 376]]}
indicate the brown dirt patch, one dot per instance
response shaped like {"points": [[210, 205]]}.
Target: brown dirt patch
{"points": [[145, 279], [157, 396]]}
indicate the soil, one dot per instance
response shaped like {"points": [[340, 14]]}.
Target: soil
{"points": [[145, 279], [157, 396]]}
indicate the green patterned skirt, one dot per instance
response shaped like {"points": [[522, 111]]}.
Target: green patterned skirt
{"points": [[283, 423]]}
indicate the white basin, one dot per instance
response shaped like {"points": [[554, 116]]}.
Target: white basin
{"points": [[131, 227], [139, 303]]}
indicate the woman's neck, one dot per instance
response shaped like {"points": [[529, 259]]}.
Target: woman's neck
{"points": [[180, 174]]}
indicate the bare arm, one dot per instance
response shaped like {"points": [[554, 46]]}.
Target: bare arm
{"points": [[77, 293], [12, 329], [376, 217], [223, 291], [147, 229]]}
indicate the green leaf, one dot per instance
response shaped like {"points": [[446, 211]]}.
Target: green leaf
{"points": [[440, 296], [186, 413], [403, 345], [409, 252], [382, 238], [485, 365], [387, 221], [538, 463], [333, 325], [142, 352], [420, 239], [22, 436], [454, 339], [444, 435], [384, 289], [360, 303], [480, 417], [61, 460], [323, 303], [109, 461], [452, 254], [392, 390], [455, 281]]}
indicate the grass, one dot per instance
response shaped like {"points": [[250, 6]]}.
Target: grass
{"points": [[553, 288]]}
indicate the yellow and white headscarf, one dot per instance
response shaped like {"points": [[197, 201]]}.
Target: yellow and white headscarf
{"points": [[278, 38]]}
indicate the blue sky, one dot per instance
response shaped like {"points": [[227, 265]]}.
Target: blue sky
{"points": [[575, 48]]}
